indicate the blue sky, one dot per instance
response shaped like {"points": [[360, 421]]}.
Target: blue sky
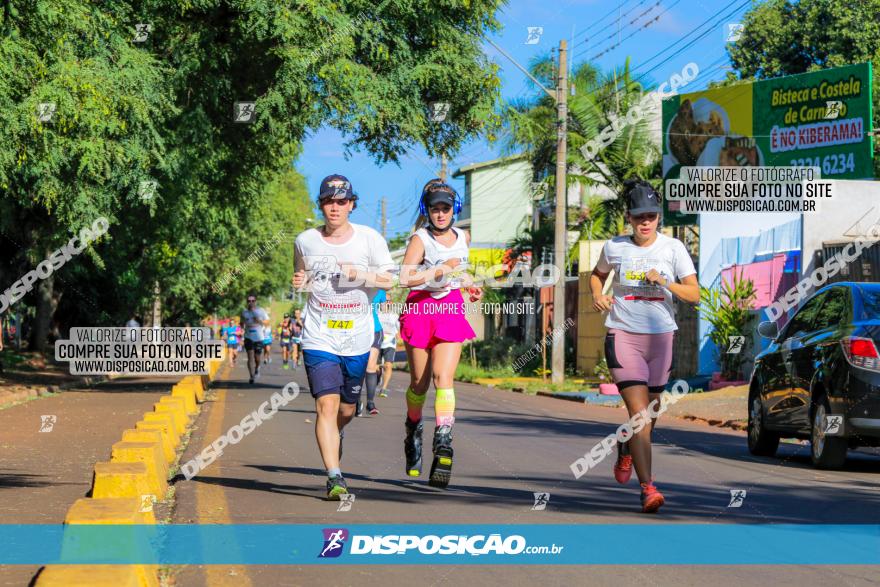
{"points": [[590, 26]]}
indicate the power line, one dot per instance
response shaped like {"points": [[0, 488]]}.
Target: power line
{"points": [[699, 37], [692, 31], [645, 74], [612, 11], [612, 35]]}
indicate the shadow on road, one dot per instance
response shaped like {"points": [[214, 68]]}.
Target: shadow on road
{"points": [[8, 479]]}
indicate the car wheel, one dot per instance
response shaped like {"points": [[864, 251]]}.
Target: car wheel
{"points": [[762, 442], [827, 452]]}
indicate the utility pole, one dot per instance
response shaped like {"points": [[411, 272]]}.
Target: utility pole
{"points": [[560, 244], [561, 97], [443, 166], [384, 218]]}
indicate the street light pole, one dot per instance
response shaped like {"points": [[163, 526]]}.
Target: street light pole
{"points": [[560, 240]]}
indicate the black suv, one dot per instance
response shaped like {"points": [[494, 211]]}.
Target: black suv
{"points": [[820, 377]]}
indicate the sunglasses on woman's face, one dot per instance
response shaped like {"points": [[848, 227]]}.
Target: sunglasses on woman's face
{"points": [[251, 300], [651, 217]]}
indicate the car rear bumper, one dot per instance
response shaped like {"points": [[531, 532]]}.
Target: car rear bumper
{"points": [[861, 404]]}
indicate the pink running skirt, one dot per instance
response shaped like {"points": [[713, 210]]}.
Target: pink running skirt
{"points": [[426, 322], [639, 359]]}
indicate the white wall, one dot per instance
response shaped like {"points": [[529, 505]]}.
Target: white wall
{"points": [[500, 203]]}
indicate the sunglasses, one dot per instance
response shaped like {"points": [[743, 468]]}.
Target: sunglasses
{"points": [[252, 300]]}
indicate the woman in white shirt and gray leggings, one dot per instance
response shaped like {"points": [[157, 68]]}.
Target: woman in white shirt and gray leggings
{"points": [[641, 320]]}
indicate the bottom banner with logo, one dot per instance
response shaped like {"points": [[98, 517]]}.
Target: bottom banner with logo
{"points": [[285, 544]]}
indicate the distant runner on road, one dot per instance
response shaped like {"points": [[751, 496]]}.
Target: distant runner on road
{"points": [[343, 264], [230, 335], [285, 330], [267, 344], [255, 320], [641, 322], [433, 324], [296, 349]]}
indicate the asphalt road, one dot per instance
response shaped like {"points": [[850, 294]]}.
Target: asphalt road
{"points": [[508, 446]]}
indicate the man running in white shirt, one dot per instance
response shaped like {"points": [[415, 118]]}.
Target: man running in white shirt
{"points": [[343, 264], [254, 320]]}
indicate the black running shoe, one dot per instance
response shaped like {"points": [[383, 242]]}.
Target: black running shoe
{"points": [[412, 448], [251, 380], [335, 487], [441, 468]]}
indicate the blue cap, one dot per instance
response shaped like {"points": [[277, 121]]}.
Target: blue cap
{"points": [[336, 187]]}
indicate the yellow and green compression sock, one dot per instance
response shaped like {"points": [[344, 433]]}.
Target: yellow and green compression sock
{"points": [[414, 404], [444, 406]]}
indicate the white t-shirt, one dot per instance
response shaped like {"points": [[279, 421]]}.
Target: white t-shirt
{"points": [[338, 318], [390, 325], [436, 254], [639, 307], [253, 325]]}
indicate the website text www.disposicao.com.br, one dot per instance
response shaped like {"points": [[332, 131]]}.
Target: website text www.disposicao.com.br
{"points": [[432, 544]]}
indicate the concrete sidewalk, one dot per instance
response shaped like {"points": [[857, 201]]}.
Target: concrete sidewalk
{"points": [[43, 473], [727, 407]]}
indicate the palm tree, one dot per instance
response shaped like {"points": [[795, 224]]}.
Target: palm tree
{"points": [[599, 97]]}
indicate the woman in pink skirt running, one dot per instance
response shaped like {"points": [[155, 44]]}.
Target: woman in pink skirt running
{"points": [[433, 324], [641, 322]]}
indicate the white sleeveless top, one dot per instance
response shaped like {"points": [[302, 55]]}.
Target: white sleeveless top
{"points": [[436, 254]]}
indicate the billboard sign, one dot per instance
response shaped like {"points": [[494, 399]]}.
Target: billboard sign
{"points": [[817, 119]]}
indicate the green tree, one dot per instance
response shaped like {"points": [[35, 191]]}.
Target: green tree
{"points": [[781, 37], [398, 241], [727, 309], [102, 102], [599, 98], [162, 110]]}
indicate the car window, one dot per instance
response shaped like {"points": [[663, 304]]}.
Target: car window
{"points": [[870, 303], [835, 310], [803, 320]]}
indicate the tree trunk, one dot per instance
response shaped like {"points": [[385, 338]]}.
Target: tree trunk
{"points": [[46, 304]]}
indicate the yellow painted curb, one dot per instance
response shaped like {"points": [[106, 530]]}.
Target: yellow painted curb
{"points": [[178, 403], [154, 435], [121, 480], [104, 511], [176, 411], [188, 395], [167, 423], [138, 470], [108, 510], [98, 576], [149, 453], [162, 429], [196, 382]]}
